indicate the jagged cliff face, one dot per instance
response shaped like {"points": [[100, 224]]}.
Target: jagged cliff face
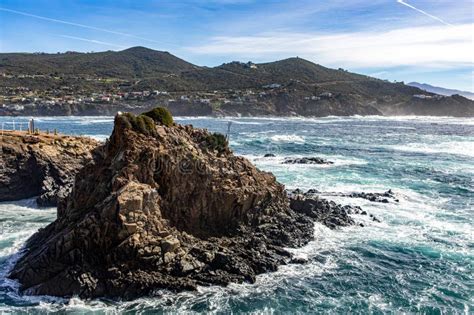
{"points": [[163, 210], [41, 165], [197, 189]]}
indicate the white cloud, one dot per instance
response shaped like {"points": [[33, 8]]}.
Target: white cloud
{"points": [[431, 46]]}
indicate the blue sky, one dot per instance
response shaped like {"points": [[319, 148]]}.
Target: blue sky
{"points": [[403, 40]]}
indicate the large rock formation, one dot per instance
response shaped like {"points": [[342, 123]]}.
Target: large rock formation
{"points": [[40, 165], [162, 207]]}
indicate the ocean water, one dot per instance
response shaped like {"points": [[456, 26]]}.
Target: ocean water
{"points": [[419, 258]]}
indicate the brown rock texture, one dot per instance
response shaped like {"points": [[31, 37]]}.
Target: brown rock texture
{"points": [[163, 208], [41, 165]]}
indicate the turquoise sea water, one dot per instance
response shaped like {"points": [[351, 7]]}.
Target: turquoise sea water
{"points": [[420, 258]]}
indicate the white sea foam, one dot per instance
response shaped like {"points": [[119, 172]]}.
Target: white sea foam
{"points": [[288, 138], [465, 148], [355, 118], [255, 123], [178, 118], [276, 164], [26, 215], [100, 138], [91, 121]]}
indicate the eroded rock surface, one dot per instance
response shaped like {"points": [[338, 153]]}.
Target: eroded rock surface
{"points": [[165, 208], [327, 212], [41, 165]]}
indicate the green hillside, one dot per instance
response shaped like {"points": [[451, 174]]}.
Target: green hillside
{"points": [[289, 86]]}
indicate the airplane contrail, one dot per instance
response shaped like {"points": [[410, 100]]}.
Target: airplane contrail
{"points": [[77, 24], [92, 41], [424, 12]]}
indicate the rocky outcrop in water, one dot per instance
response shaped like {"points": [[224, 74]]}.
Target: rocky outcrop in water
{"points": [[41, 165], [166, 207], [384, 197], [307, 160], [327, 212]]}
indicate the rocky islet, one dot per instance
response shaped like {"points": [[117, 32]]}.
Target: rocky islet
{"points": [[166, 208]]}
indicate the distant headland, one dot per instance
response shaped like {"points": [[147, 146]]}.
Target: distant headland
{"points": [[139, 78]]}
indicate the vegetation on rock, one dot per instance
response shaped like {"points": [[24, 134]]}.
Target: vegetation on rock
{"points": [[140, 123], [161, 116], [217, 141]]}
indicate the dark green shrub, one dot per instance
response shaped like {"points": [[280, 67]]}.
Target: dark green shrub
{"points": [[160, 115], [141, 123], [125, 120], [149, 123], [217, 141]]}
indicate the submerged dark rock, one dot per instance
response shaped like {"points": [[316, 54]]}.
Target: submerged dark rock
{"points": [[384, 197], [307, 160], [269, 155], [41, 165], [375, 197], [299, 261], [327, 212]]}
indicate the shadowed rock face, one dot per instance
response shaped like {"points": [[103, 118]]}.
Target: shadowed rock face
{"points": [[162, 211], [41, 165]]}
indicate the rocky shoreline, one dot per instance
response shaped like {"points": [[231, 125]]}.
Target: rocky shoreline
{"points": [[165, 206], [42, 165], [327, 212]]}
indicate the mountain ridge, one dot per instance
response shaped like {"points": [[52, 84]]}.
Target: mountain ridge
{"points": [[78, 63], [292, 86], [442, 91]]}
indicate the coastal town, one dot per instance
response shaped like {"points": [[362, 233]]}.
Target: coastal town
{"points": [[122, 93]]}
